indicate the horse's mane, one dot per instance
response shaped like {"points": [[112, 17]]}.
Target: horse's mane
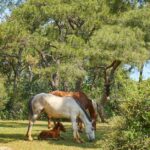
{"points": [[86, 114]]}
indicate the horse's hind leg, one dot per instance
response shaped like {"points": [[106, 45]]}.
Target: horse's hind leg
{"points": [[32, 119], [80, 126], [49, 122]]}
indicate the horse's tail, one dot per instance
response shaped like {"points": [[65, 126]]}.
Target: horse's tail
{"points": [[83, 109], [30, 106]]}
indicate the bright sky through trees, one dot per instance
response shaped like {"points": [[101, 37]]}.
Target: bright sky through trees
{"points": [[146, 72]]}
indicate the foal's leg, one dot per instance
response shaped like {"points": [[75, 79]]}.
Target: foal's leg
{"points": [[32, 119]]}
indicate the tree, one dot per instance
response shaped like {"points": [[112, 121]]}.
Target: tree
{"points": [[47, 45]]}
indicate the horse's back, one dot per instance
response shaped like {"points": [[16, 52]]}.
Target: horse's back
{"points": [[51, 99], [80, 96], [54, 106]]}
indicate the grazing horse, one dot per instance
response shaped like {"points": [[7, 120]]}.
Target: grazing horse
{"points": [[58, 107], [83, 100], [54, 133], [95, 106]]}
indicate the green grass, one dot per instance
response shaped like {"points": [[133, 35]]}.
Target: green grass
{"points": [[12, 135]]}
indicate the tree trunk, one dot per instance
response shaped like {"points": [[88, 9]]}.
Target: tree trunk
{"points": [[78, 84], [141, 73], [108, 80], [55, 78]]}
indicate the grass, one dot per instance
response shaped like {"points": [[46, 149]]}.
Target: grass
{"points": [[12, 135]]}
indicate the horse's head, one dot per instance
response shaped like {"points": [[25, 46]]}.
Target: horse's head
{"points": [[60, 126], [90, 132]]}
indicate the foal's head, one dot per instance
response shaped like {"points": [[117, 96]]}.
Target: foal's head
{"points": [[59, 126]]}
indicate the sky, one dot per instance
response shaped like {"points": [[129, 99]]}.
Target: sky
{"points": [[146, 72]]}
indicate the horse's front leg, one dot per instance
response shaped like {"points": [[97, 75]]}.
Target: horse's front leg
{"points": [[32, 119], [75, 131], [28, 135]]}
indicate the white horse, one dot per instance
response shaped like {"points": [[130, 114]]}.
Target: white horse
{"points": [[57, 107]]}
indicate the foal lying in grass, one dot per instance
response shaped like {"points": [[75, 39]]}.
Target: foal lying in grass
{"points": [[54, 133]]}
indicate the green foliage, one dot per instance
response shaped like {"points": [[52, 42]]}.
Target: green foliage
{"points": [[131, 129], [119, 6], [62, 44], [65, 44], [121, 43], [3, 94]]}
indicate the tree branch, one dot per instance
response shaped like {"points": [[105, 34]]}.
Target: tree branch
{"points": [[108, 78]]}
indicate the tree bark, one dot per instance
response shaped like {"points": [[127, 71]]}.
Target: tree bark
{"points": [[55, 78], [141, 73], [108, 80], [78, 84]]}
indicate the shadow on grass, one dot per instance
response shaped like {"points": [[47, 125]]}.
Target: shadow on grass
{"points": [[68, 139], [68, 135], [8, 127], [6, 138], [12, 124]]}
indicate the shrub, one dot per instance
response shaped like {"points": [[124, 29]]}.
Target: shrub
{"points": [[131, 129]]}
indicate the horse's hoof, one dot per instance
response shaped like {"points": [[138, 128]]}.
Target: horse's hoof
{"points": [[78, 141], [81, 141], [49, 127], [30, 139]]}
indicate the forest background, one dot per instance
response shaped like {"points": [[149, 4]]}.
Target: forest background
{"points": [[72, 45]]}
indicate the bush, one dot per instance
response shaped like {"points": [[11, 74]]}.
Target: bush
{"points": [[131, 128]]}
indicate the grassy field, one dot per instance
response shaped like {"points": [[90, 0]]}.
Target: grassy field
{"points": [[12, 135]]}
